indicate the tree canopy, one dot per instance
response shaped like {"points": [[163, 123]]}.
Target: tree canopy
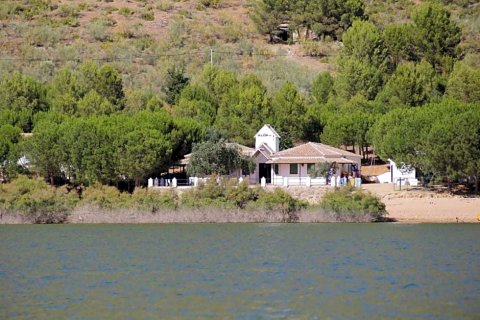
{"points": [[318, 18], [217, 157]]}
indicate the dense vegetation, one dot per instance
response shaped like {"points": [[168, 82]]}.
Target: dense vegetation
{"points": [[110, 102], [35, 202], [219, 158], [350, 204]]}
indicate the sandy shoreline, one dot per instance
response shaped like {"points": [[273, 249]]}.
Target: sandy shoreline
{"points": [[423, 206]]}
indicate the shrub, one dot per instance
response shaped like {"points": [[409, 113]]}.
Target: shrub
{"points": [[147, 15], [98, 31], [153, 201], [241, 194], [350, 204], [109, 9], [210, 3], [43, 36], [68, 11], [104, 197], [281, 201], [36, 201], [164, 5], [313, 48], [209, 194], [124, 11]]}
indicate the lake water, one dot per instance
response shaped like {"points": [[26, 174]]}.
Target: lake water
{"points": [[240, 271]]}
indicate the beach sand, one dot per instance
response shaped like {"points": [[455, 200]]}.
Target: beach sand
{"points": [[418, 205]]}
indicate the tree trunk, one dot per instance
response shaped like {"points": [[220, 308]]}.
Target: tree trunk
{"points": [[477, 183]]}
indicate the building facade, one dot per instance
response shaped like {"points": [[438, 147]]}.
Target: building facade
{"points": [[297, 165]]}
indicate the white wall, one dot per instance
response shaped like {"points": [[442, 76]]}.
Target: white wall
{"points": [[398, 173], [265, 135], [300, 178], [284, 171]]}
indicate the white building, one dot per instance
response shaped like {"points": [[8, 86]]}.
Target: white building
{"points": [[403, 174], [293, 166]]}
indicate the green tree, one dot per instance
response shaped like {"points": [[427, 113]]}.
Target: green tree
{"points": [[9, 137], [105, 80], [196, 102], [453, 145], [89, 145], [421, 136], [322, 87], [357, 77], [64, 92], [24, 96], [185, 133], [362, 64], [412, 84], [401, 42], [44, 150], [94, 103], [364, 42], [464, 83], [325, 17], [218, 82], [214, 157], [398, 136], [244, 110], [175, 81], [350, 125], [268, 15], [289, 109], [140, 153], [438, 34], [318, 18], [314, 122]]}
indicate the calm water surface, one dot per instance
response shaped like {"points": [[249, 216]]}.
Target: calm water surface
{"points": [[233, 271]]}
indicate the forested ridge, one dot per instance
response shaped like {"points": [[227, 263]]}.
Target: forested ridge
{"points": [[115, 92]]}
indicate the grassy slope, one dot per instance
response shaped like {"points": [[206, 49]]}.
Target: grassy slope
{"points": [[41, 38]]}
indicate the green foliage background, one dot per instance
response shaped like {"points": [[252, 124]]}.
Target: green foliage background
{"points": [[116, 92]]}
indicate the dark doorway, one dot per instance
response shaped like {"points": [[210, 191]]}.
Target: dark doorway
{"points": [[265, 170]]}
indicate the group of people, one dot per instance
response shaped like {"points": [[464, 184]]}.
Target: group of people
{"points": [[159, 182], [350, 178]]}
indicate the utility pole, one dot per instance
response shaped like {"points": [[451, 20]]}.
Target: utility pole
{"points": [[211, 56]]}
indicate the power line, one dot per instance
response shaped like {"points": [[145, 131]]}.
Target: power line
{"points": [[157, 56], [102, 58]]}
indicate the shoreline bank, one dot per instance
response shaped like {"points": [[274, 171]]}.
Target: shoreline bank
{"points": [[415, 205], [94, 215]]}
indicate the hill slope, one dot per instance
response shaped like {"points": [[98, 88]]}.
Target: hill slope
{"points": [[142, 37]]}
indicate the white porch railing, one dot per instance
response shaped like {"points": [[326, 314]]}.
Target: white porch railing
{"points": [[298, 181]]}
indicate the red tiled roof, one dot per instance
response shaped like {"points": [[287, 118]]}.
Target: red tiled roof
{"points": [[244, 150], [309, 160], [316, 150]]}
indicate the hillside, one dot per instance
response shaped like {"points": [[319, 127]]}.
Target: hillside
{"points": [[142, 37]]}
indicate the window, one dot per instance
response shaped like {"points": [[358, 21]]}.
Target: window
{"points": [[310, 168], [275, 168], [293, 168]]}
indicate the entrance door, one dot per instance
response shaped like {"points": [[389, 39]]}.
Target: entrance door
{"points": [[265, 170]]}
